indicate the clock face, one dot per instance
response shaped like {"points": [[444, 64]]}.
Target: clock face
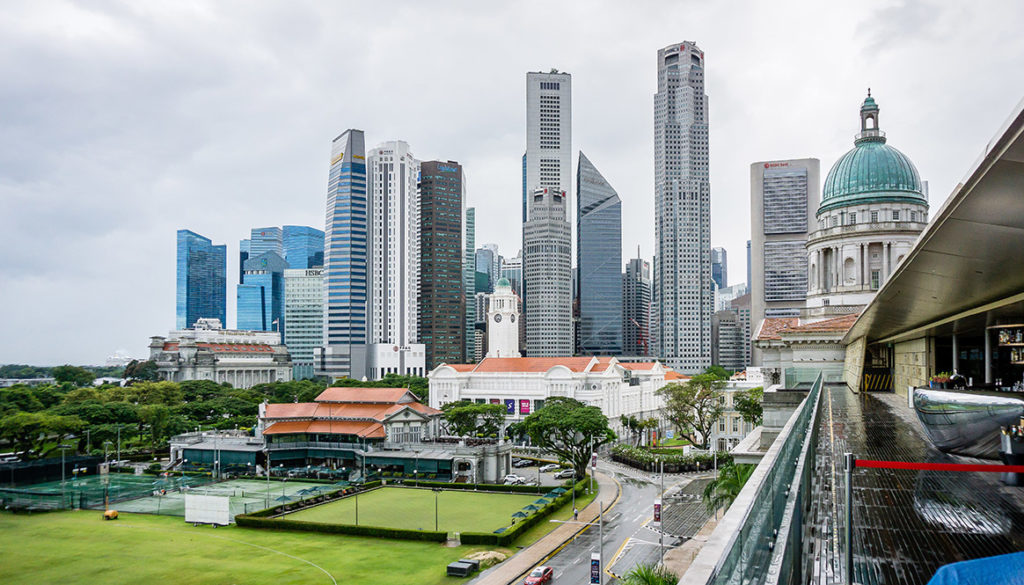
{"points": [[512, 318], [497, 318]]}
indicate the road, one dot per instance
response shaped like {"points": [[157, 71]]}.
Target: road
{"points": [[627, 539]]}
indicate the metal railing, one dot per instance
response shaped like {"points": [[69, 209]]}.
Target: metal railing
{"points": [[751, 544]]}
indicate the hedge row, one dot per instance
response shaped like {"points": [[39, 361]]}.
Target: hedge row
{"points": [[483, 487], [253, 521], [509, 536], [648, 459]]}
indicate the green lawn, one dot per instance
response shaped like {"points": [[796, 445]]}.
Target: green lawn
{"points": [[673, 442], [81, 548], [410, 508]]}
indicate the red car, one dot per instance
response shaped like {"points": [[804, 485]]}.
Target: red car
{"points": [[539, 575]]}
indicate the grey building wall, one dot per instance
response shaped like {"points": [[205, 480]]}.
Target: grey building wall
{"points": [[599, 258]]}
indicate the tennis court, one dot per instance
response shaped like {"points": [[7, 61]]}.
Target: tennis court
{"points": [[90, 491], [246, 496]]}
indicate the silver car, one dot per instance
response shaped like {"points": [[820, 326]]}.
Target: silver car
{"points": [[548, 467]]}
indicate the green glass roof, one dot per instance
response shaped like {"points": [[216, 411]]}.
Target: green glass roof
{"points": [[503, 282]]}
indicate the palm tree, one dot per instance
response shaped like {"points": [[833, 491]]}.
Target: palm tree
{"points": [[731, 479], [650, 574]]}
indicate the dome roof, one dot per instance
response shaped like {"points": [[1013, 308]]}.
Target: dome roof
{"points": [[872, 171], [503, 282]]}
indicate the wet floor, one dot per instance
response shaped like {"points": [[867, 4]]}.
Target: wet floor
{"points": [[906, 523]]}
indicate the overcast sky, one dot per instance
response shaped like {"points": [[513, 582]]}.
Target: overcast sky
{"points": [[121, 122]]}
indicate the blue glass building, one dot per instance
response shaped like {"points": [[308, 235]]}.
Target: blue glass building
{"points": [[345, 319], [261, 294], [303, 246], [599, 260], [201, 280]]}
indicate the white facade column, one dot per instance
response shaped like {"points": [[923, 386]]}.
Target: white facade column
{"points": [[988, 356], [886, 266], [956, 354]]}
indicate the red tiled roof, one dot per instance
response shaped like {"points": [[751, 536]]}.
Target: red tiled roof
{"points": [[417, 406], [771, 327], [536, 364], [462, 367], [364, 429], [674, 375], [291, 410], [364, 395], [638, 365], [834, 325]]}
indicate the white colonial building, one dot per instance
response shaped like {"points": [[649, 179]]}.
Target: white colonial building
{"points": [[503, 321], [210, 352], [522, 385]]}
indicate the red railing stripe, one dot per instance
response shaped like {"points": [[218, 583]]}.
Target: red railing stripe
{"points": [[937, 466]]}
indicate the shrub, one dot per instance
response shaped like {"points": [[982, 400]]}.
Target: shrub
{"points": [[254, 521], [509, 536], [675, 462]]}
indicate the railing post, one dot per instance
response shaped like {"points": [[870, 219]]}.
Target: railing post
{"points": [[848, 529]]}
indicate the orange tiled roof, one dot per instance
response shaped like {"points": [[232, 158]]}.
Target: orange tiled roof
{"points": [[638, 365], [364, 395], [674, 375], [291, 410], [417, 406], [364, 429], [462, 367], [772, 326], [535, 364], [834, 325]]}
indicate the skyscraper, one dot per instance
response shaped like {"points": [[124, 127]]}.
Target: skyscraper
{"points": [[512, 269], [636, 307], [345, 319], [261, 295], [201, 288], [394, 261], [599, 257], [486, 263], [303, 246], [266, 239], [303, 317], [547, 239], [720, 267], [784, 196], [442, 309], [243, 255], [469, 281], [683, 301]]}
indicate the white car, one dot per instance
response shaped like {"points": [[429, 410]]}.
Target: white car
{"points": [[548, 467], [513, 479], [565, 474]]}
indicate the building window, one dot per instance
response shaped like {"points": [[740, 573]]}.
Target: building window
{"points": [[874, 279], [853, 219], [913, 216], [721, 425], [833, 221], [895, 215], [874, 217]]}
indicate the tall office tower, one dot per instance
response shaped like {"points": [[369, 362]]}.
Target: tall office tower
{"points": [[394, 261], [784, 197], [345, 320], [598, 260], [512, 269], [682, 228], [260, 297], [303, 317], [636, 307], [469, 282], [547, 275], [243, 255], [741, 305], [303, 246], [442, 309], [547, 163], [719, 267], [266, 239], [748, 264], [201, 287], [486, 258]]}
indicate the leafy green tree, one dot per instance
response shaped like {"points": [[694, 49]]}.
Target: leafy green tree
{"points": [[23, 371], [19, 399], [165, 393], [650, 574], [30, 431], [721, 492], [719, 372], [157, 417], [467, 418], [749, 404], [88, 394], [143, 371], [193, 390], [570, 429], [74, 375], [694, 406]]}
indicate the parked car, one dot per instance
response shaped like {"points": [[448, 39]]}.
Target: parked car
{"points": [[513, 479], [549, 467], [522, 463], [565, 474], [539, 575]]}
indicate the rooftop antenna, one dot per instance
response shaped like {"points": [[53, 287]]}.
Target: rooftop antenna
{"points": [[869, 92]]}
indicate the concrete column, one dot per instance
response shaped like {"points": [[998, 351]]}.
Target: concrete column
{"points": [[836, 263], [885, 262], [956, 353], [988, 356]]}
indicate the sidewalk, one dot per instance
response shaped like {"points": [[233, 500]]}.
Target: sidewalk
{"points": [[515, 568]]}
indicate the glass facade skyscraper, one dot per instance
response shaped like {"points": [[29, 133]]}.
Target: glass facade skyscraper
{"points": [[636, 307], [266, 239], [720, 267], [303, 317], [599, 258], [303, 246], [345, 324], [442, 307], [201, 290], [469, 282], [261, 295]]}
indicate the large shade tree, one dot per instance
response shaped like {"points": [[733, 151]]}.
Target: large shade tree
{"points": [[465, 418], [694, 406], [570, 429]]}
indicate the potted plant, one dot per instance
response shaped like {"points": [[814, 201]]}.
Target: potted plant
{"points": [[940, 380]]}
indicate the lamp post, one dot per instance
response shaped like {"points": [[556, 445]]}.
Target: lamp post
{"points": [[106, 448], [436, 492], [266, 454], [63, 449], [119, 444]]}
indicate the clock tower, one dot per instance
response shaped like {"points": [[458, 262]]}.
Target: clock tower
{"points": [[503, 322]]}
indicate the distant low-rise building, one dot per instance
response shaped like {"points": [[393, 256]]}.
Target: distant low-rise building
{"points": [[210, 352]]}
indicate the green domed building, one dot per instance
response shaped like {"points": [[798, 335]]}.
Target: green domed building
{"points": [[873, 207]]}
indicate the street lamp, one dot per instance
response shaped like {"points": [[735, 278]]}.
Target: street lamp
{"points": [[436, 492], [63, 449], [600, 537], [106, 447]]}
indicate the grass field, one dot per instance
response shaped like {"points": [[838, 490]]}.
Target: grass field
{"points": [[80, 548], [410, 508]]}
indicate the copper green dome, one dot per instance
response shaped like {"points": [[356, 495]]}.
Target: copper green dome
{"points": [[503, 282], [873, 172]]}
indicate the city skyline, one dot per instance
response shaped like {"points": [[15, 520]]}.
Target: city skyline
{"points": [[241, 157]]}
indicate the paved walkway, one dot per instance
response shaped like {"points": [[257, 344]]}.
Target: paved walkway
{"points": [[906, 523], [515, 568]]}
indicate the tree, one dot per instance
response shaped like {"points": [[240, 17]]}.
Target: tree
{"points": [[142, 371], [650, 574], [73, 374], [748, 404], [721, 492], [465, 418], [719, 371], [158, 417], [694, 406], [30, 431], [570, 429]]}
